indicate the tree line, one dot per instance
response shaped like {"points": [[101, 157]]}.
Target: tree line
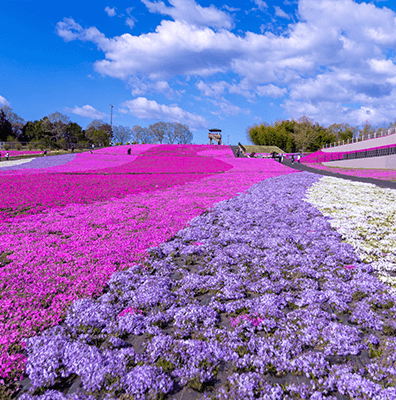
{"points": [[57, 131], [306, 135]]}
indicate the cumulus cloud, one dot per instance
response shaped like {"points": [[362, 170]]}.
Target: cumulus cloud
{"points": [[4, 102], [141, 86], [191, 12], [87, 111], [335, 52], [143, 108], [271, 91], [110, 11]]}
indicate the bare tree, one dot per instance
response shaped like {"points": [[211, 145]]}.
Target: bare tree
{"points": [[182, 133], [142, 135], [366, 130], [159, 131], [121, 134]]}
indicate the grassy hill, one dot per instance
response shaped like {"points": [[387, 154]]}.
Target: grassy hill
{"points": [[262, 149]]}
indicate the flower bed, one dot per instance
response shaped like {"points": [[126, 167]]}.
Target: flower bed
{"points": [[16, 153], [323, 156], [258, 298], [365, 216], [69, 250], [383, 174]]}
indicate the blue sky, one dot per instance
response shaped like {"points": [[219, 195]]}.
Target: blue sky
{"points": [[209, 64]]}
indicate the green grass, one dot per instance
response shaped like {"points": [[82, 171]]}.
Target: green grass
{"points": [[262, 149]]}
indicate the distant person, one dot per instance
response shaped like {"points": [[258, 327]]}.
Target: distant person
{"points": [[292, 159], [45, 153], [298, 158], [281, 160], [7, 156], [129, 151], [72, 149], [93, 147], [238, 153]]}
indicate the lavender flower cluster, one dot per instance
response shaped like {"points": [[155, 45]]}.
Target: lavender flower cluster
{"points": [[257, 298], [42, 162]]}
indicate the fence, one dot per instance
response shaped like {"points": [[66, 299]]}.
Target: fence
{"points": [[38, 145], [384, 151], [379, 134]]}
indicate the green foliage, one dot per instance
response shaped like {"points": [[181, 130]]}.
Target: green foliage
{"points": [[304, 134], [5, 127]]}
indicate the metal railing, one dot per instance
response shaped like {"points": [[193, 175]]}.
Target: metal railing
{"points": [[353, 155], [375, 135]]}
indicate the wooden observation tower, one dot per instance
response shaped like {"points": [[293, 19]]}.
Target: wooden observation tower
{"points": [[215, 135]]}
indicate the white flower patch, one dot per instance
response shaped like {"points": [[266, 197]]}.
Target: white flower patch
{"points": [[11, 163], [365, 216]]}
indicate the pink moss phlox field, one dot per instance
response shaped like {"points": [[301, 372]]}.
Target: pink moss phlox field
{"points": [[382, 174], [322, 156], [70, 249], [16, 153], [32, 193]]}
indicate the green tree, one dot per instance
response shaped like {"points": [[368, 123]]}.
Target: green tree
{"points": [[98, 132], [73, 134], [16, 121], [56, 124], [100, 138], [32, 130], [5, 127]]}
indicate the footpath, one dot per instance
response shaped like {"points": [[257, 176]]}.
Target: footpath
{"points": [[302, 167]]}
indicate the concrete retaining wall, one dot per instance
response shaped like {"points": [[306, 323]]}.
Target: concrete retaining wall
{"points": [[366, 144], [383, 162]]}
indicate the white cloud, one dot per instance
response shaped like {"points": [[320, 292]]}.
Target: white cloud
{"points": [[141, 86], [280, 13], [230, 9], [335, 54], [191, 12], [215, 89], [130, 22], [261, 5], [227, 108], [4, 102], [271, 91], [110, 11], [151, 110], [87, 111]]}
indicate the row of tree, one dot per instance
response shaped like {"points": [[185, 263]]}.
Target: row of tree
{"points": [[305, 135], [57, 131]]}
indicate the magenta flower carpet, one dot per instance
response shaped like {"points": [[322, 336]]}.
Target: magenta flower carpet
{"points": [[383, 174], [68, 223]]}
